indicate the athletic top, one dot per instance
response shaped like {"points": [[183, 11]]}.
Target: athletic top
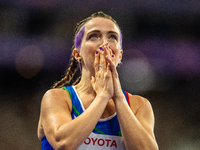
{"points": [[106, 134]]}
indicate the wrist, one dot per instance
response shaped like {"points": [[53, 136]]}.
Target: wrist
{"points": [[118, 96], [103, 96]]}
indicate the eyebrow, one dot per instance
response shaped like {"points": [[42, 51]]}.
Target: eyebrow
{"points": [[110, 32]]}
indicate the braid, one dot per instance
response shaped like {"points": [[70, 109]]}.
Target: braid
{"points": [[77, 80], [69, 74]]}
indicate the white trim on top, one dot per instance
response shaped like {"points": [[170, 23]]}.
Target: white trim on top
{"points": [[104, 119]]}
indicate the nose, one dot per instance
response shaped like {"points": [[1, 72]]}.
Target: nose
{"points": [[105, 41]]}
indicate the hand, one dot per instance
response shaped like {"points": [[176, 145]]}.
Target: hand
{"points": [[116, 82], [102, 83]]}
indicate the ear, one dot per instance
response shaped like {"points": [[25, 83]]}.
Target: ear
{"points": [[76, 54], [120, 55]]}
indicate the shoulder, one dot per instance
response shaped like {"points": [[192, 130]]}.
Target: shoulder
{"points": [[138, 102], [55, 110], [55, 97], [143, 111], [56, 103], [56, 93]]}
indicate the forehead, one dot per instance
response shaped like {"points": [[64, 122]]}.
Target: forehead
{"points": [[101, 24]]}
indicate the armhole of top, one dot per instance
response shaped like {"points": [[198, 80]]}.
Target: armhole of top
{"points": [[127, 96]]}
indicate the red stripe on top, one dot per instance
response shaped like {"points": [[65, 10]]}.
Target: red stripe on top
{"points": [[128, 98]]}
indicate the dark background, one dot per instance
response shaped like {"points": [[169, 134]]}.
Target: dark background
{"points": [[161, 61]]}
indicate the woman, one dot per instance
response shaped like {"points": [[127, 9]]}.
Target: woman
{"points": [[95, 113]]}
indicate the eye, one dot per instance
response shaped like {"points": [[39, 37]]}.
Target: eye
{"points": [[93, 36], [114, 37]]}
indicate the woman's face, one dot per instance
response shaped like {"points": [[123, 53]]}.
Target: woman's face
{"points": [[98, 32]]}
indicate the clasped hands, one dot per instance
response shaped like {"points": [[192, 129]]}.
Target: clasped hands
{"points": [[106, 81]]}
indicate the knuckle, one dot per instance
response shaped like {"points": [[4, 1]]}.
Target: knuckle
{"points": [[107, 76]]}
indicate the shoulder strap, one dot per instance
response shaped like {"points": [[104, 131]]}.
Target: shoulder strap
{"points": [[76, 105], [127, 97], [65, 88]]}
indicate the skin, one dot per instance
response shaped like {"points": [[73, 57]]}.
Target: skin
{"points": [[101, 94]]}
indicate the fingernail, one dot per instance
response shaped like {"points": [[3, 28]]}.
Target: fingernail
{"points": [[101, 48], [112, 55], [97, 52], [109, 47]]}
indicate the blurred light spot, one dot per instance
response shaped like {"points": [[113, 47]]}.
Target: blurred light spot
{"points": [[29, 61], [136, 72]]}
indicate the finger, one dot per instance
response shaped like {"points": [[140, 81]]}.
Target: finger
{"points": [[112, 66], [109, 49], [106, 50], [110, 60], [93, 80], [108, 68], [102, 60], [96, 62]]}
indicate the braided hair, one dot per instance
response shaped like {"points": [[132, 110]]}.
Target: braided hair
{"points": [[79, 33]]}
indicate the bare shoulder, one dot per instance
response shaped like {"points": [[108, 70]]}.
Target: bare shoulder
{"points": [[56, 93], [56, 107], [56, 97], [142, 109], [139, 103], [55, 103]]}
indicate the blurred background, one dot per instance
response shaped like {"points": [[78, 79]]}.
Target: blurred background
{"points": [[161, 61]]}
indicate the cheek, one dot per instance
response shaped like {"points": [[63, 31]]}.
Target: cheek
{"points": [[91, 47], [88, 52], [116, 49]]}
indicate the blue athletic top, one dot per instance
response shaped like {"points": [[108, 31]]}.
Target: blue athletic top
{"points": [[106, 134]]}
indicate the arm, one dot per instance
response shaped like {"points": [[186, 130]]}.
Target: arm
{"points": [[61, 131], [137, 122], [137, 129]]}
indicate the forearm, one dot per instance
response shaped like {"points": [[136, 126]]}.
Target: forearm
{"points": [[73, 133], [134, 134]]}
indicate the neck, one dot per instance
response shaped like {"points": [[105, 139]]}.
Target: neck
{"points": [[85, 86]]}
